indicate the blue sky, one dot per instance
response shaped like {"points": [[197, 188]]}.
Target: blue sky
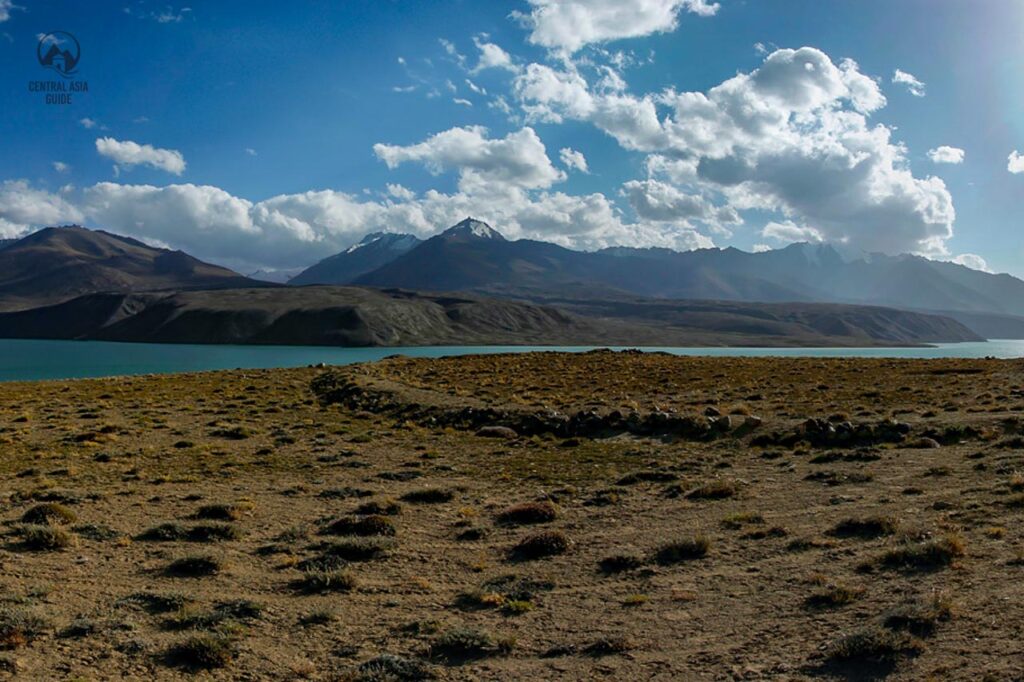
{"points": [[265, 135]]}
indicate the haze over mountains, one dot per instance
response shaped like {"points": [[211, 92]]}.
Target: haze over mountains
{"points": [[83, 284]]}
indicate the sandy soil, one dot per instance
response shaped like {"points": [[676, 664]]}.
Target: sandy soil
{"points": [[669, 558]]}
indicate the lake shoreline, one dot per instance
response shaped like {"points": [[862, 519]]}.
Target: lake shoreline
{"points": [[37, 360]]}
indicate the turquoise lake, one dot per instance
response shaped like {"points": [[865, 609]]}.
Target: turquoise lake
{"points": [[30, 360]]}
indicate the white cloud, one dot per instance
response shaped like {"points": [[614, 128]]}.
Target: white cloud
{"points": [[972, 261], [449, 48], [946, 154], [492, 57], [791, 137], [23, 207], [250, 151], [573, 159], [88, 123], [761, 248], [462, 102], [788, 232], [519, 159], [127, 154], [571, 24], [400, 192], [298, 229], [61, 167], [661, 202], [913, 85], [1015, 162], [5, 9], [171, 16]]}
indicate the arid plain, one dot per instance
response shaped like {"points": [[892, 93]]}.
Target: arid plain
{"points": [[535, 516]]}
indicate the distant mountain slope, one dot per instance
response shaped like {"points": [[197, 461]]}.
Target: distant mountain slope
{"points": [[349, 316], [473, 256], [6, 242], [60, 263], [462, 259], [274, 276], [375, 250]]}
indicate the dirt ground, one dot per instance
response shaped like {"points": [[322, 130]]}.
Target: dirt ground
{"points": [[228, 525]]}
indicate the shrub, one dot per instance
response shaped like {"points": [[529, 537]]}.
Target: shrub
{"points": [[49, 514], [870, 527], [203, 652], [391, 668], [835, 595], [740, 519], [365, 526], [237, 610], [194, 567], [429, 496], [607, 646], [924, 556], [157, 603], [919, 619], [337, 580], [528, 513], [871, 645], [165, 532], [19, 626], [223, 512], [549, 543], [617, 563], [359, 549], [379, 507], [464, 644], [214, 532], [46, 538], [686, 549], [202, 532], [718, 489]]}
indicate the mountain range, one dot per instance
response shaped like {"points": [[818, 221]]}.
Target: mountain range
{"points": [[375, 249], [59, 263], [75, 283], [472, 256]]}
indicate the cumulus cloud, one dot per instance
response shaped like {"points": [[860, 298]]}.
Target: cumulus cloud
{"points": [[23, 207], [791, 137], [297, 229], [126, 154], [946, 154], [88, 123], [573, 159], [913, 85], [399, 192], [519, 159], [1015, 162], [972, 261], [61, 167], [789, 232], [571, 24], [492, 56], [658, 201]]}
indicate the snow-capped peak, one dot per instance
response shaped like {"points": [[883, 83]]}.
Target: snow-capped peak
{"points": [[473, 228]]}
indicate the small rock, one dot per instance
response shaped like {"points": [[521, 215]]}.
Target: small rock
{"points": [[924, 443]]}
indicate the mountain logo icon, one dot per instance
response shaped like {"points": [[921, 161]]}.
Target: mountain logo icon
{"points": [[59, 51]]}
